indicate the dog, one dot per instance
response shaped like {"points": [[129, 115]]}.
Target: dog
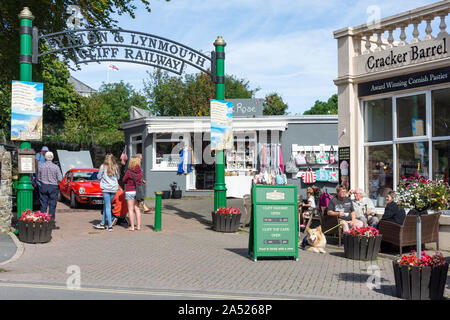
{"points": [[315, 238]]}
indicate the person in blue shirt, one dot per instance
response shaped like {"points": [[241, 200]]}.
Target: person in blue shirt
{"points": [[40, 157]]}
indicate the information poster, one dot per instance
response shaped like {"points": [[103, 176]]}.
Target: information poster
{"points": [[221, 125], [273, 231], [344, 166], [26, 110]]}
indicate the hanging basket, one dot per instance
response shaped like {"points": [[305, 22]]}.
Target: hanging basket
{"points": [[420, 283], [226, 222], [35, 232], [361, 248]]}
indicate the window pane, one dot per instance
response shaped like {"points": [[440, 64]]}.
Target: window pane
{"points": [[136, 139], [411, 116], [379, 171], [412, 158], [164, 156], [378, 120], [441, 112], [441, 160]]}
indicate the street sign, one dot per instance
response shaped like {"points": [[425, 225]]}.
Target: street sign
{"points": [[273, 229]]}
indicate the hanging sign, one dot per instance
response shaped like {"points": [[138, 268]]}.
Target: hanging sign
{"points": [[221, 125], [273, 227], [344, 166], [247, 108], [26, 110]]}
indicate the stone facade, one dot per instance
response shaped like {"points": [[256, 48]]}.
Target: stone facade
{"points": [[5, 191]]}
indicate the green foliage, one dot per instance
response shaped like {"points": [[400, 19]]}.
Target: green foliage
{"points": [[274, 105], [329, 107], [189, 96]]}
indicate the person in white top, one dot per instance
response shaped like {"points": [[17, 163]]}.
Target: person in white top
{"points": [[308, 206]]}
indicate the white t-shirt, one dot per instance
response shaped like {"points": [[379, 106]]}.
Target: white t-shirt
{"points": [[313, 202]]}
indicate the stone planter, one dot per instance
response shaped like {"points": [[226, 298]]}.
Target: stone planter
{"points": [[361, 248], [225, 222], [35, 232], [420, 283]]}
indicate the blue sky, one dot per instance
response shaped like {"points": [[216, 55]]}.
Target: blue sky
{"points": [[283, 46]]}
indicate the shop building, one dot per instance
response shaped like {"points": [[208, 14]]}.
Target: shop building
{"points": [[394, 98], [258, 140]]}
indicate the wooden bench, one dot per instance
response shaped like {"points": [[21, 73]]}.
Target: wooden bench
{"points": [[406, 234]]}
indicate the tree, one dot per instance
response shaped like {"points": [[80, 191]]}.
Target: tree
{"points": [[329, 107], [51, 16], [274, 105], [189, 96]]}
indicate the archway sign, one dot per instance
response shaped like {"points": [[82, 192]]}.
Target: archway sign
{"points": [[96, 45]]}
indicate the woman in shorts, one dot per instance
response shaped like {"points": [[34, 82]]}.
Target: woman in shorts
{"points": [[130, 192]]}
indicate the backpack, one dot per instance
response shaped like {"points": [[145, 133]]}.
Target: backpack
{"points": [[324, 200]]}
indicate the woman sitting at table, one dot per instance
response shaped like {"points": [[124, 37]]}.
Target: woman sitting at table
{"points": [[392, 212]]}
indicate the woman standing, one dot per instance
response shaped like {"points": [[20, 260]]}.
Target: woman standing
{"points": [[144, 206], [109, 175], [134, 169]]}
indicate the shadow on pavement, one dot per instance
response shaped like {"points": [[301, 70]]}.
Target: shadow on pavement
{"points": [[239, 251], [189, 215]]}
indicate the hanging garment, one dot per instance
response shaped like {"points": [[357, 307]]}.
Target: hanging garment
{"points": [[190, 157], [185, 159], [281, 158], [123, 156], [180, 165]]}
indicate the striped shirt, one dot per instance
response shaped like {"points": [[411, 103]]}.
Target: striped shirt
{"points": [[49, 173]]}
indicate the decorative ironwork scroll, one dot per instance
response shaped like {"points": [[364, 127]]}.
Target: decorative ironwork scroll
{"points": [[96, 45]]}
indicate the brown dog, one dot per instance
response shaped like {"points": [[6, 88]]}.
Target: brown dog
{"points": [[315, 238]]}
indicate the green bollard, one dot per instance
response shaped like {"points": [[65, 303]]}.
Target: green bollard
{"points": [[158, 211]]}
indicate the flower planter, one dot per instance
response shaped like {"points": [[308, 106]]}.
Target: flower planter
{"points": [[35, 232], [226, 222], [165, 194], [420, 283], [361, 248], [176, 194]]}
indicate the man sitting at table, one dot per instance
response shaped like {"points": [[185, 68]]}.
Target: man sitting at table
{"points": [[364, 208], [342, 207]]}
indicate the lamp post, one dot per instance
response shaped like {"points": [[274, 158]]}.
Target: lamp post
{"points": [[24, 187], [220, 190]]}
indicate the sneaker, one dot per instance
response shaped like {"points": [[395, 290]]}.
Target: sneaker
{"points": [[109, 228], [99, 226]]}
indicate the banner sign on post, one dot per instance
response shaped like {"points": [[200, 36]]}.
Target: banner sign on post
{"points": [[26, 110], [221, 125]]}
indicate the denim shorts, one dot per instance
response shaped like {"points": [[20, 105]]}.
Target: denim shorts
{"points": [[130, 195]]}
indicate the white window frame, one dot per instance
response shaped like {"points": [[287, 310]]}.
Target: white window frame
{"points": [[132, 146], [428, 137], [163, 167]]}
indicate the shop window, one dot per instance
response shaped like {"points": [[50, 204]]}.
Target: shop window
{"points": [[378, 120], [379, 176], [411, 112], [167, 149], [412, 158], [441, 160], [136, 144], [441, 112]]}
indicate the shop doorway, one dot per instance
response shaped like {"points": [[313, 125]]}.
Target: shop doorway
{"points": [[204, 168]]}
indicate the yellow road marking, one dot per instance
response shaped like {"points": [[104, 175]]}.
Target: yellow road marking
{"points": [[171, 294]]}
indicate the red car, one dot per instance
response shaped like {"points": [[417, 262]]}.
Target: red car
{"points": [[81, 186]]}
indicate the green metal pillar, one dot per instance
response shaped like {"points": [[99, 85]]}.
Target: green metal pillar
{"points": [[24, 187], [220, 190], [157, 226]]}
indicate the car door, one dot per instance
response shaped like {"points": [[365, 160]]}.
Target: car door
{"points": [[66, 184]]}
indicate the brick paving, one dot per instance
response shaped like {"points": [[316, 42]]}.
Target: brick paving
{"points": [[187, 255]]}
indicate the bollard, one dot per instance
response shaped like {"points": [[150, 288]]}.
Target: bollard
{"points": [[157, 226]]}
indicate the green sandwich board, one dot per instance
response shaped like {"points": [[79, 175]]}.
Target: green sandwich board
{"points": [[273, 226]]}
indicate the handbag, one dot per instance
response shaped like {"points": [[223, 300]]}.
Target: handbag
{"points": [[311, 158], [332, 158], [334, 177], [300, 159], [291, 166], [139, 189], [281, 178], [322, 175], [322, 157], [123, 156], [309, 176]]}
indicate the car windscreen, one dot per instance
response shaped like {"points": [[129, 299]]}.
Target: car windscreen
{"points": [[84, 175]]}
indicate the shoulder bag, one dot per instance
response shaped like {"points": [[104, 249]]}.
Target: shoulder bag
{"points": [[311, 158], [322, 175], [332, 158], [139, 189], [291, 166], [309, 176]]}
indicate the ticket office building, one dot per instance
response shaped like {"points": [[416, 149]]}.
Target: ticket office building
{"points": [[394, 99]]}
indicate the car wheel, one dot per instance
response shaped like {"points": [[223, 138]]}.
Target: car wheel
{"points": [[73, 201]]}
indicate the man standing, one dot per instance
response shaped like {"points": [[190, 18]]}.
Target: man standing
{"points": [[342, 207], [49, 175], [364, 209], [40, 157]]}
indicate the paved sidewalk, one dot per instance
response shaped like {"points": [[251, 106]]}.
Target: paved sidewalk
{"points": [[8, 247], [187, 255]]}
